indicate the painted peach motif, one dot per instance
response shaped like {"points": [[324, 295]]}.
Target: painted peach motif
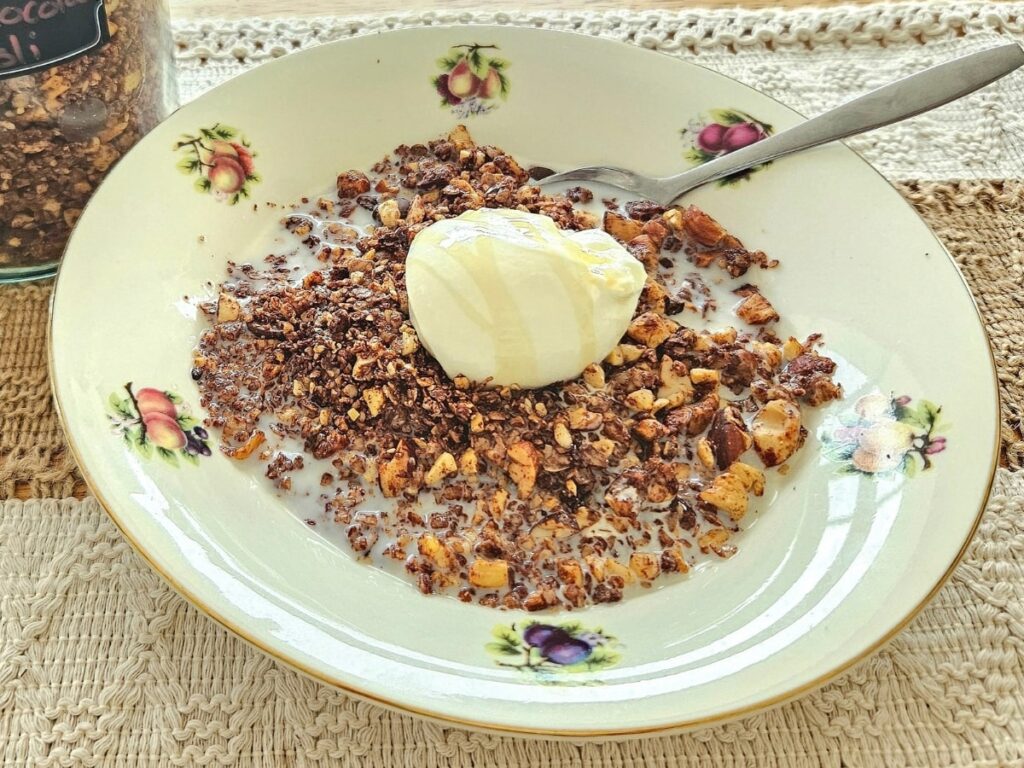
{"points": [[223, 160], [156, 421]]}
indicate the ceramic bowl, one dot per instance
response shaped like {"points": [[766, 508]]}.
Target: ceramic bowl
{"points": [[846, 548]]}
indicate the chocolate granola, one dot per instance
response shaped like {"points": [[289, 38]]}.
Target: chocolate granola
{"points": [[562, 495], [62, 129]]}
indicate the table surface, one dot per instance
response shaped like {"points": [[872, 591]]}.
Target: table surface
{"points": [[233, 9]]}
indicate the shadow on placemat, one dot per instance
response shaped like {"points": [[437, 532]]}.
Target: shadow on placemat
{"points": [[980, 222]]}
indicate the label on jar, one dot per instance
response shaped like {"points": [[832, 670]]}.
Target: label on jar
{"points": [[38, 34]]}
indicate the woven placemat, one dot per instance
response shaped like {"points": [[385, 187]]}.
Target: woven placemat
{"points": [[101, 664]]}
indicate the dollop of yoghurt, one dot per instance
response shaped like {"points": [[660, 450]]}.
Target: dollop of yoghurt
{"points": [[505, 296]]}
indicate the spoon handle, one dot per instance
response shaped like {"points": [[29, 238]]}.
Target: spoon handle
{"points": [[891, 103]]}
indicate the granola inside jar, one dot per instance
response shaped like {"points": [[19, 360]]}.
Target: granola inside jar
{"points": [[81, 81]]}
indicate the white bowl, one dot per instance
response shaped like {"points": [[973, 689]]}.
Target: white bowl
{"points": [[839, 559]]}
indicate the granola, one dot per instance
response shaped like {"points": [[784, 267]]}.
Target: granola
{"points": [[560, 496], [62, 129]]}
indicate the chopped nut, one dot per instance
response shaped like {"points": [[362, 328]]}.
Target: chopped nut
{"points": [[593, 375], [650, 430], [562, 435], [496, 503], [460, 138], [389, 213], [395, 474], [569, 571], [751, 477], [704, 376], [651, 329], [443, 467], [674, 218], [615, 357], [581, 418], [673, 561], [728, 493], [228, 308], [410, 341], [630, 352], [755, 308], [434, 550], [676, 386], [704, 453], [644, 565], [791, 348], [715, 541], [374, 399], [523, 467], [640, 400], [488, 574], [776, 431], [613, 568], [621, 228], [770, 354], [469, 464], [728, 437]]}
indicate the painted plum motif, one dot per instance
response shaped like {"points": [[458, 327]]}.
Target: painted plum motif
{"points": [[548, 650], [720, 132]]}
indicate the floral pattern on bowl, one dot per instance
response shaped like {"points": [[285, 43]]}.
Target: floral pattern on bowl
{"points": [[157, 421], [222, 158], [549, 650], [882, 434], [720, 132], [471, 79]]}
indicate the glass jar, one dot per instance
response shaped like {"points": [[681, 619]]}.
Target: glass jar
{"points": [[81, 81]]}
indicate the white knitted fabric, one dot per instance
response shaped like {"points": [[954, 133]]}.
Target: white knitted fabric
{"points": [[101, 664], [810, 59]]}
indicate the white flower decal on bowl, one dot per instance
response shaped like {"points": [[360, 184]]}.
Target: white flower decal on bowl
{"points": [[882, 434]]}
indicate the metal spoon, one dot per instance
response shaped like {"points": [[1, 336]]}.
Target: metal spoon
{"points": [[891, 103]]}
